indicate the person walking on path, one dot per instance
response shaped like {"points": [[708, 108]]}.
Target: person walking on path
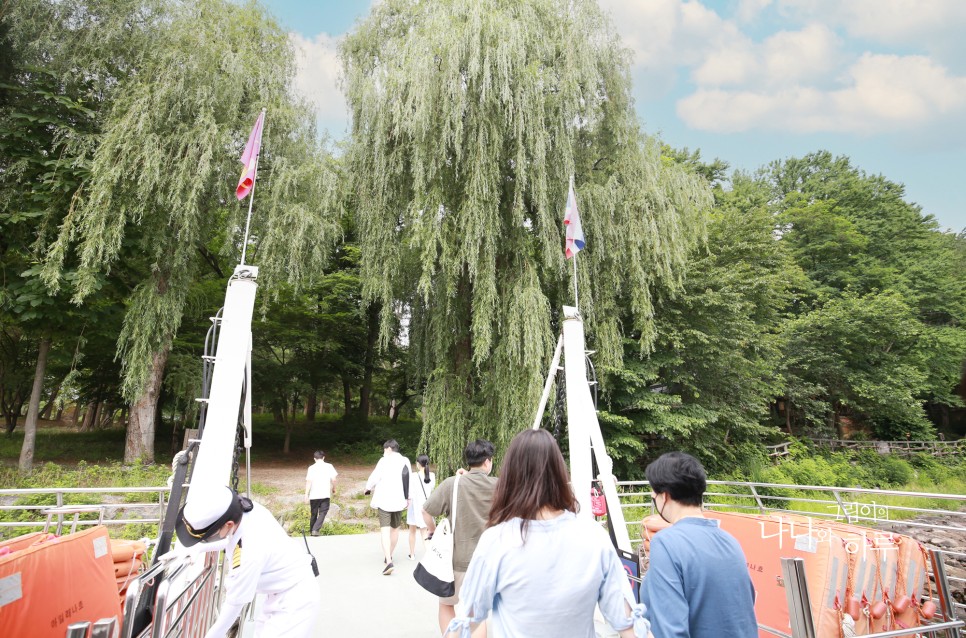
{"points": [[476, 489], [390, 480], [717, 598], [538, 570], [263, 560], [421, 484], [319, 489]]}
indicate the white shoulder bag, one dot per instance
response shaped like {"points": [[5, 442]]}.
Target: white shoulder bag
{"points": [[434, 573]]}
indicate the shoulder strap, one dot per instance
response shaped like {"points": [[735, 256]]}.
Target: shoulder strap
{"points": [[421, 486], [456, 484]]}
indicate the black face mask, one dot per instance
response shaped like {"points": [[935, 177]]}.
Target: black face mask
{"points": [[660, 512]]}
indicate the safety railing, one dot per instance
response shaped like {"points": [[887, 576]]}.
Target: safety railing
{"points": [[109, 507], [181, 599], [885, 510]]}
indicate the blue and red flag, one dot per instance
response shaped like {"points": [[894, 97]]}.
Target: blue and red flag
{"points": [[575, 234], [249, 159]]}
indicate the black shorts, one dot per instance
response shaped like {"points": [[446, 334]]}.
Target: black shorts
{"points": [[389, 519]]}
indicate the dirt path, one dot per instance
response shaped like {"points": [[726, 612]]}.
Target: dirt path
{"points": [[280, 486]]}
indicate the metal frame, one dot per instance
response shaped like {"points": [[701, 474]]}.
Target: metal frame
{"points": [[800, 607], [61, 509]]}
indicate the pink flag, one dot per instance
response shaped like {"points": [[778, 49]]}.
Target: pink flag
{"points": [[575, 234], [250, 158]]}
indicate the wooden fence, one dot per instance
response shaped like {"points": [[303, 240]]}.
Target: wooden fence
{"points": [[902, 448]]}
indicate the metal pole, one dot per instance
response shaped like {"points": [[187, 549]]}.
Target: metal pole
{"points": [[576, 301], [796, 593], [942, 586], [551, 373]]}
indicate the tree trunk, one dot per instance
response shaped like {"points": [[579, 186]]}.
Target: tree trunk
{"points": [[45, 413], [347, 395], [788, 417], [76, 417], [139, 443], [311, 404], [369, 362], [89, 415], [33, 411], [396, 407], [287, 446]]}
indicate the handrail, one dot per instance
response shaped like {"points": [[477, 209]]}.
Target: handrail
{"points": [[151, 513]]}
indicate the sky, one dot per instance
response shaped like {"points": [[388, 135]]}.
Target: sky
{"points": [[753, 81]]}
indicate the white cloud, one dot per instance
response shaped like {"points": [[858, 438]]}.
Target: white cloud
{"points": [[881, 94], [748, 10], [317, 79], [785, 58], [666, 35], [886, 21]]}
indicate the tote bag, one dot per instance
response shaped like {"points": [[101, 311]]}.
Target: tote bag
{"points": [[434, 573]]}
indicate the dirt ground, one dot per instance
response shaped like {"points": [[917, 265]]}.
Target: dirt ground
{"points": [[280, 486]]}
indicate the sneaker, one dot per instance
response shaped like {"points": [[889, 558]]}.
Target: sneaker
{"points": [[314, 534], [412, 557], [387, 570]]}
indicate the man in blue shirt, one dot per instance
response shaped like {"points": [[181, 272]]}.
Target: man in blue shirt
{"points": [[697, 583]]}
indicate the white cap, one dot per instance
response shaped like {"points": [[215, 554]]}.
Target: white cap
{"points": [[206, 504], [207, 508]]}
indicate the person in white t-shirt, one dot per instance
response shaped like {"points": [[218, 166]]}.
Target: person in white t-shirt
{"points": [[390, 480], [421, 484], [260, 558], [319, 488]]}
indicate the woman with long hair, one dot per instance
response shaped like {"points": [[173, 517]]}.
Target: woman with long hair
{"points": [[421, 484], [538, 570]]}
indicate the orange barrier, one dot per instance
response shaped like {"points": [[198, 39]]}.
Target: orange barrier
{"points": [[22, 542], [127, 563], [46, 586], [863, 579]]}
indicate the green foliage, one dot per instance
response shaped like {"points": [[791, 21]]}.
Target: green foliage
{"points": [[859, 354], [468, 120], [882, 332]]}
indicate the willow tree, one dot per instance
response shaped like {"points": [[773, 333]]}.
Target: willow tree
{"points": [[163, 173], [468, 117]]}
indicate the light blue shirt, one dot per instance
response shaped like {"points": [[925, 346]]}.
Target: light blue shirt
{"points": [[697, 584], [547, 587]]}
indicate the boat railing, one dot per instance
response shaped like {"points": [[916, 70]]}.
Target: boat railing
{"points": [[47, 507], [180, 598]]}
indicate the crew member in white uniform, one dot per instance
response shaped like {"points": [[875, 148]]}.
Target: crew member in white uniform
{"points": [[264, 560]]}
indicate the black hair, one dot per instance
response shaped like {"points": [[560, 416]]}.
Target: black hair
{"points": [[533, 476], [477, 452], [423, 460], [391, 444], [319, 454], [240, 505], [679, 475]]}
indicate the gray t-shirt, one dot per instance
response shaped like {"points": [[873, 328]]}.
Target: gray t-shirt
{"points": [[472, 510]]}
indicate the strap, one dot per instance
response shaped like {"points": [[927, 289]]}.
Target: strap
{"points": [[452, 524], [422, 487]]}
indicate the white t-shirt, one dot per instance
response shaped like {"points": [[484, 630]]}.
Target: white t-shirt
{"points": [[320, 474], [387, 481]]}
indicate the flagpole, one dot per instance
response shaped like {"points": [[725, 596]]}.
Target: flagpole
{"points": [[576, 300], [251, 194]]}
